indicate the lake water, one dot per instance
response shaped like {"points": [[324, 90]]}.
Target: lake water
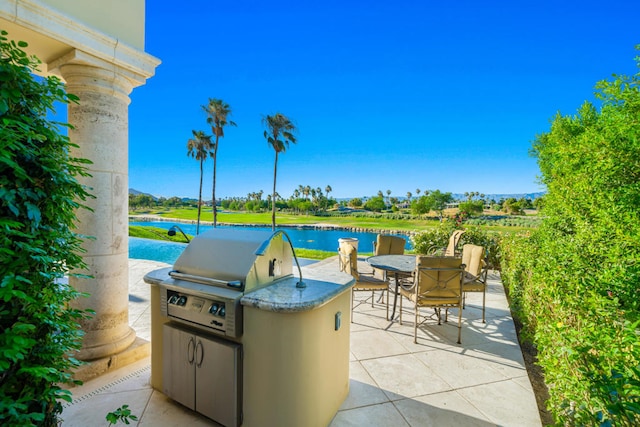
{"points": [[307, 238]]}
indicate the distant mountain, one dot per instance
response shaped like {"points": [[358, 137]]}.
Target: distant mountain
{"points": [[137, 193]]}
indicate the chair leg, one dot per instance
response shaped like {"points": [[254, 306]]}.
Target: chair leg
{"points": [[400, 315], [484, 299], [352, 304], [387, 302], [459, 325], [415, 326]]}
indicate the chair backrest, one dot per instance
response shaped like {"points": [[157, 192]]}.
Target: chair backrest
{"points": [[349, 260], [389, 245], [439, 279], [454, 239], [472, 259]]}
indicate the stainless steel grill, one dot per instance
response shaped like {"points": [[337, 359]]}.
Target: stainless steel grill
{"points": [[215, 270], [202, 343]]}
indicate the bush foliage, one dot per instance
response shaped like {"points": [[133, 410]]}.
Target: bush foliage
{"points": [[574, 281], [438, 237], [38, 197]]}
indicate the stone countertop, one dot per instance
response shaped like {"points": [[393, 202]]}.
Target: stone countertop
{"points": [[322, 285], [283, 296], [155, 277]]}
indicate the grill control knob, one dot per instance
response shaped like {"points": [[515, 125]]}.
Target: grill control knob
{"points": [[182, 300], [222, 311], [214, 308], [173, 299]]}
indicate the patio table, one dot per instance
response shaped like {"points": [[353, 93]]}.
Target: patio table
{"points": [[396, 264]]}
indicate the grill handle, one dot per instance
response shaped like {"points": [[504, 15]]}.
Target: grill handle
{"points": [[205, 280], [263, 248], [191, 349], [201, 352]]}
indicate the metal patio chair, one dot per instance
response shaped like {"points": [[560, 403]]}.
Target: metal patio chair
{"points": [[437, 284]]}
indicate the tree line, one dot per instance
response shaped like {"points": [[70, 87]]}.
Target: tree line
{"points": [[312, 200]]}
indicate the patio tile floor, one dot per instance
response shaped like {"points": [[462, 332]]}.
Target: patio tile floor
{"points": [[393, 381]]}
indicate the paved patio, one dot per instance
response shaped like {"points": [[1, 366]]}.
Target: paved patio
{"points": [[393, 382]]}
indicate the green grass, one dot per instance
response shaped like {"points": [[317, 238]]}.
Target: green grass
{"points": [[264, 218], [155, 233], [356, 220], [313, 253]]}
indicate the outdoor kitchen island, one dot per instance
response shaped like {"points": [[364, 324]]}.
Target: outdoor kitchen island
{"points": [[278, 355]]}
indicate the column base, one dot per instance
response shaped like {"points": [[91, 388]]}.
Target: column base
{"points": [[138, 350], [104, 349]]}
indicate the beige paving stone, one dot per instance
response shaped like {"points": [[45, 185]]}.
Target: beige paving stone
{"points": [[363, 391], [459, 369], [383, 415], [92, 410], [162, 411], [374, 343], [505, 403], [441, 409], [404, 376]]}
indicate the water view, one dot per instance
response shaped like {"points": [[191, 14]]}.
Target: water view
{"points": [[307, 238]]}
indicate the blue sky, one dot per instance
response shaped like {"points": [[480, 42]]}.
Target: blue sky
{"points": [[398, 96]]}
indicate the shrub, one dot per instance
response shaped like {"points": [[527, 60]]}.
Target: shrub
{"points": [[39, 194], [574, 280], [438, 237]]}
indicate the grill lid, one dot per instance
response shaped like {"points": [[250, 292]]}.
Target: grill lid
{"points": [[226, 256]]}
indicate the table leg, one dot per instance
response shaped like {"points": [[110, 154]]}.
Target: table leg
{"points": [[395, 296]]}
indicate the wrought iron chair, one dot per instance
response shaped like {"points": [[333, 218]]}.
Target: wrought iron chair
{"points": [[475, 274], [451, 249], [437, 284], [387, 245], [348, 256]]}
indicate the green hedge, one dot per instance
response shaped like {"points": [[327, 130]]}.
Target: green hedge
{"points": [[575, 280], [39, 195]]}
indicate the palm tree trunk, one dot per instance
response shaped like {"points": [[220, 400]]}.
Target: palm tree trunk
{"points": [[273, 196], [213, 192], [199, 200]]}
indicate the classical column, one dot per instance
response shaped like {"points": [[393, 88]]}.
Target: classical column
{"points": [[100, 122]]}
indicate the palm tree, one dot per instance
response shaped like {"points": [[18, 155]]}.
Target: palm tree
{"points": [[199, 147], [279, 134], [327, 190], [217, 111]]}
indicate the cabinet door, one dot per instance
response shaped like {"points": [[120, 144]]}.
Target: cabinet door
{"points": [[178, 370], [218, 382]]}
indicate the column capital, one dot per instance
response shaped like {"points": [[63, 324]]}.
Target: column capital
{"points": [[82, 71]]}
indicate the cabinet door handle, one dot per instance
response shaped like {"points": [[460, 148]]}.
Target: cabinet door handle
{"points": [[199, 345], [191, 349]]}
